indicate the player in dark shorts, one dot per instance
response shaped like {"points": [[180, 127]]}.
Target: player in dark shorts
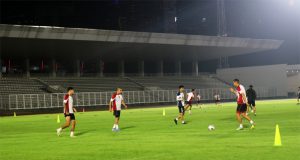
{"points": [[241, 109], [298, 95], [251, 96], [180, 103]]}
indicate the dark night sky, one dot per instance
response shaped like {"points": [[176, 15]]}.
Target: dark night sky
{"points": [[272, 19]]}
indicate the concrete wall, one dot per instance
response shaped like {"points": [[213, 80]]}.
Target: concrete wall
{"points": [[293, 82], [271, 76]]}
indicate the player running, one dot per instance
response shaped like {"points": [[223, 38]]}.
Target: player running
{"points": [[69, 113], [298, 95], [115, 106], [189, 101], [217, 99], [180, 103], [240, 92], [198, 100], [251, 96]]}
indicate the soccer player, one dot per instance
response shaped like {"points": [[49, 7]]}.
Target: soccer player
{"points": [[251, 96], [69, 113], [198, 99], [298, 94], [115, 106], [217, 99], [189, 101], [180, 103], [240, 92]]}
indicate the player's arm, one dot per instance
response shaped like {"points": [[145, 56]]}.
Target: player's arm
{"points": [[123, 103], [233, 90], [245, 98], [65, 108], [74, 109], [109, 106]]}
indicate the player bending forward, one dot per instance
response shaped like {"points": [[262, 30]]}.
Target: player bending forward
{"points": [[69, 113], [180, 103], [189, 101], [115, 106], [240, 92]]}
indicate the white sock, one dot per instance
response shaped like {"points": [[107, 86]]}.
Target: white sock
{"points": [[60, 129], [190, 111], [117, 126], [72, 133], [114, 126], [176, 119], [251, 122], [182, 121], [241, 125]]}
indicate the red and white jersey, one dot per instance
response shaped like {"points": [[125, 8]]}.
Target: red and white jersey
{"points": [[68, 101], [190, 96], [116, 99], [240, 90]]}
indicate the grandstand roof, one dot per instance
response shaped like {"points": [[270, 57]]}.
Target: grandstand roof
{"points": [[79, 42]]}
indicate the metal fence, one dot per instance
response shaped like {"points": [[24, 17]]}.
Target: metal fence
{"points": [[55, 100]]}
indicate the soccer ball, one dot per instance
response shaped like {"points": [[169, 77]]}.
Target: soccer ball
{"points": [[211, 127]]}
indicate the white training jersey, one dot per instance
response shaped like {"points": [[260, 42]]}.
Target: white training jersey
{"points": [[190, 96], [117, 101], [199, 97], [180, 98], [217, 97], [68, 101]]}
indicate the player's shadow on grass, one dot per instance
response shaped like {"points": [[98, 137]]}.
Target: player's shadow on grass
{"points": [[82, 133], [127, 127]]}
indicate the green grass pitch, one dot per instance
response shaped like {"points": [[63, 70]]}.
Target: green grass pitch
{"points": [[147, 134]]}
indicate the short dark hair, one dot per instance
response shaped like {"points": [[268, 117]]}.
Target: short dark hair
{"points": [[193, 90], [236, 80], [251, 86], [181, 86], [70, 88]]}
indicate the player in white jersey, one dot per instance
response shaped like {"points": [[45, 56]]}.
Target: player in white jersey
{"points": [[115, 104], [189, 101], [68, 112], [198, 100], [180, 103], [217, 99], [298, 95]]}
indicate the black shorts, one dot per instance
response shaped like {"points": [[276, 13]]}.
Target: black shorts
{"points": [[217, 101], [117, 113], [241, 108], [251, 102], [72, 116], [188, 102], [180, 107]]}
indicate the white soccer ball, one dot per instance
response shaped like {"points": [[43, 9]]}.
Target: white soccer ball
{"points": [[211, 127]]}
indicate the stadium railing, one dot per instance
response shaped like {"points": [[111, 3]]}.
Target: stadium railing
{"points": [[55, 100]]}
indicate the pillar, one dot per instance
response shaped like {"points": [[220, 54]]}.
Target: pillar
{"points": [[53, 68], [160, 68], [27, 67], [178, 67], [195, 68], [100, 65], [122, 68], [141, 68], [0, 66], [77, 68]]}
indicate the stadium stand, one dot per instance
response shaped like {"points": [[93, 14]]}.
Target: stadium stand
{"points": [[84, 84], [20, 86], [172, 82]]}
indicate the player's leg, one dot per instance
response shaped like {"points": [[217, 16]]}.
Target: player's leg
{"points": [[73, 124], [239, 119], [190, 110], [249, 119], [67, 124]]}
